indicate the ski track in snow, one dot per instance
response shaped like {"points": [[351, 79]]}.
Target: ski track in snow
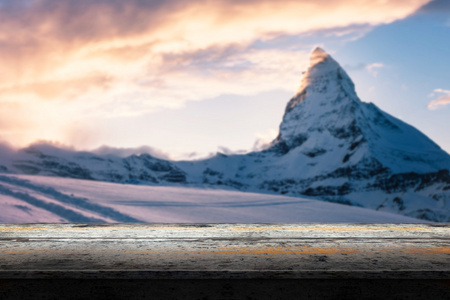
{"points": [[68, 214], [59, 210]]}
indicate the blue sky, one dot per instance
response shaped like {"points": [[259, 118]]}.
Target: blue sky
{"points": [[415, 54], [209, 75]]}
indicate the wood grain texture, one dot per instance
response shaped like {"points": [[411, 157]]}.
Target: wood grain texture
{"points": [[225, 251]]}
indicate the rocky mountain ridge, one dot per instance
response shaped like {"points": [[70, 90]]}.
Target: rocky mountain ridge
{"points": [[331, 146]]}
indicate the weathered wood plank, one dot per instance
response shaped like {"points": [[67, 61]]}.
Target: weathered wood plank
{"points": [[197, 251], [309, 230], [224, 261]]}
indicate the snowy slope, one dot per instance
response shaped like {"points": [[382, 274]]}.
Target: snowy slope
{"points": [[331, 146], [53, 199]]}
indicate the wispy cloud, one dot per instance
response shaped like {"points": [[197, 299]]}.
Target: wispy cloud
{"points": [[442, 100], [125, 152], [65, 59], [264, 139], [374, 68]]}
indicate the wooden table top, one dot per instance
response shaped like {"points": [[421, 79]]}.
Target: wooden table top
{"points": [[231, 251]]}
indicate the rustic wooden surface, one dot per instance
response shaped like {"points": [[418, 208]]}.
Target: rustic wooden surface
{"points": [[225, 251]]}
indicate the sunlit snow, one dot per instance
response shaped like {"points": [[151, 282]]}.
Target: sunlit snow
{"points": [[51, 199]]}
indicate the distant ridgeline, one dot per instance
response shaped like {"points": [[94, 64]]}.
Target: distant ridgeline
{"points": [[331, 146]]}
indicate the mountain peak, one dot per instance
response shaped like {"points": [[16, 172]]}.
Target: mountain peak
{"points": [[326, 98], [323, 74], [319, 50], [326, 114], [318, 55]]}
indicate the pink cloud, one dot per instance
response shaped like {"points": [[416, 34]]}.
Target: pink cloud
{"points": [[63, 59], [441, 101], [374, 68]]}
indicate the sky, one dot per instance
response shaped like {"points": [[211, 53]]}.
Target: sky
{"points": [[184, 79]]}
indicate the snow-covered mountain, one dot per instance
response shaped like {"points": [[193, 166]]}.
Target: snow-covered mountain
{"points": [[331, 146]]}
